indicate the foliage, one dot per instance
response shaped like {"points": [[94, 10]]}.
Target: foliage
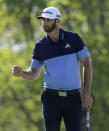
{"points": [[20, 105]]}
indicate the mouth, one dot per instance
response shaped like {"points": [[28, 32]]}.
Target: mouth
{"points": [[45, 27]]}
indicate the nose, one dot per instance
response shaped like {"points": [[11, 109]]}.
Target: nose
{"points": [[45, 22]]}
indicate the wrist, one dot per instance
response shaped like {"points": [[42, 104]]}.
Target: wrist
{"points": [[86, 90], [22, 73]]}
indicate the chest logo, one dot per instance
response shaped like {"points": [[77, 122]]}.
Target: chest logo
{"points": [[67, 45]]}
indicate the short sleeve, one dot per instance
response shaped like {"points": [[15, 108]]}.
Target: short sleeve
{"points": [[81, 49], [36, 60], [36, 64]]}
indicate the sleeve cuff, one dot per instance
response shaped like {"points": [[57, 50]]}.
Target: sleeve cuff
{"points": [[84, 53], [36, 64]]}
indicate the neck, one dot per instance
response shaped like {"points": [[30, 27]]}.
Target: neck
{"points": [[54, 35]]}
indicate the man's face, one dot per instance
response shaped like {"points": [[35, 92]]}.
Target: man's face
{"points": [[48, 24]]}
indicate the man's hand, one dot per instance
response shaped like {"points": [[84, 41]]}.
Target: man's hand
{"points": [[30, 74], [17, 71], [87, 100]]}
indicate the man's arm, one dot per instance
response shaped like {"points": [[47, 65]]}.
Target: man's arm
{"points": [[30, 74], [87, 79]]}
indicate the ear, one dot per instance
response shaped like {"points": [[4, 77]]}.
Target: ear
{"points": [[58, 20]]}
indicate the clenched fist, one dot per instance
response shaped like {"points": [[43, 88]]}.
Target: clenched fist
{"points": [[17, 71]]}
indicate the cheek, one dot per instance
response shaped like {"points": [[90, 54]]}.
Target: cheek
{"points": [[45, 23], [50, 23], [42, 23]]}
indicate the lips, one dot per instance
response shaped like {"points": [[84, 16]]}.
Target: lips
{"points": [[45, 26]]}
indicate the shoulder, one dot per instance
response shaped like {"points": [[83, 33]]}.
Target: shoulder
{"points": [[41, 41], [75, 39], [71, 34]]}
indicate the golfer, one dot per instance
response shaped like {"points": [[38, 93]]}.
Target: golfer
{"points": [[60, 52]]}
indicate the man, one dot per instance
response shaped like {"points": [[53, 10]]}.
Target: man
{"points": [[60, 52]]}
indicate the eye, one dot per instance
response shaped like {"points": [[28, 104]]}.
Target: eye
{"points": [[48, 20]]}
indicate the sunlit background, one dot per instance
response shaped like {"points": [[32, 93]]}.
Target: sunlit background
{"points": [[20, 106]]}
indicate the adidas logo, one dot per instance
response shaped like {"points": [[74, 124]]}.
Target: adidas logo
{"points": [[67, 46]]}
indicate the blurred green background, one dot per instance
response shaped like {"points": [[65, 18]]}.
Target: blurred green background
{"points": [[20, 106]]}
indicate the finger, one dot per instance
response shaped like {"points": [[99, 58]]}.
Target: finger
{"points": [[13, 72], [88, 109], [16, 69], [91, 103], [16, 74]]}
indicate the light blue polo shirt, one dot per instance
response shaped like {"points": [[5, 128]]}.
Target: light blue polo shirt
{"points": [[61, 60]]}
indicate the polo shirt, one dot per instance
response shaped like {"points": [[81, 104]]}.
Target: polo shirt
{"points": [[61, 60]]}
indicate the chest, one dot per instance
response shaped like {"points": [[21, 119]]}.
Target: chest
{"points": [[54, 50]]}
